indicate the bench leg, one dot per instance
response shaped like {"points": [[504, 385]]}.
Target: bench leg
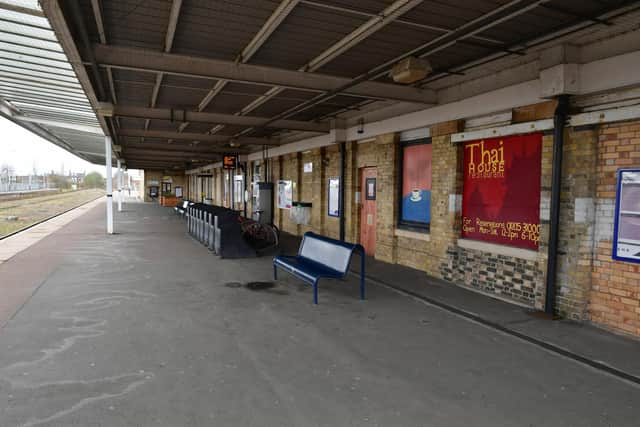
{"points": [[315, 292], [362, 277], [275, 272]]}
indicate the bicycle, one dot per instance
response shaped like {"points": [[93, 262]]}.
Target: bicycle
{"points": [[259, 235]]}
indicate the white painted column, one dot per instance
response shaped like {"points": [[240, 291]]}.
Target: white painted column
{"points": [[119, 185], [107, 155]]}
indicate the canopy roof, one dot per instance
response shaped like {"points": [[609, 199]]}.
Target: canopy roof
{"points": [[38, 86], [179, 82]]}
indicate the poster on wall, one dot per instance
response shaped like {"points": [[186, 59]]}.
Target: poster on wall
{"points": [[416, 184], [334, 197], [626, 230], [501, 196], [285, 194]]}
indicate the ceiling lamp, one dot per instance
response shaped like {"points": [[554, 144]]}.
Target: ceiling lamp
{"points": [[410, 70]]}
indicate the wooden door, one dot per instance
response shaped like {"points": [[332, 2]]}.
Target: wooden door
{"points": [[368, 185]]}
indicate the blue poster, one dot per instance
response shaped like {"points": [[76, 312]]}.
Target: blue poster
{"points": [[416, 206]]}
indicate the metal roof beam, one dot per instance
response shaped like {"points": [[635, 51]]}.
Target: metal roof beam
{"points": [[272, 24], [168, 44], [21, 9], [200, 117], [184, 148], [65, 125], [202, 137], [59, 24], [147, 60], [498, 15], [43, 94], [31, 99], [149, 154], [375, 23]]}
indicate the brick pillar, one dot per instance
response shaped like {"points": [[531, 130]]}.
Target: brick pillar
{"points": [[577, 216], [446, 170], [312, 189], [387, 197], [351, 186]]}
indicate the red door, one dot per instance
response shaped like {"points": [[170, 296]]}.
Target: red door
{"points": [[368, 211]]}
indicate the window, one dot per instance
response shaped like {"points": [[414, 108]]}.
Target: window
{"points": [[415, 185]]}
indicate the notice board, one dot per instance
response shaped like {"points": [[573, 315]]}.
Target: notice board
{"points": [[501, 196], [285, 194], [626, 230]]}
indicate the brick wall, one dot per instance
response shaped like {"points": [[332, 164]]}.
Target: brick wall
{"points": [[615, 292], [590, 284], [157, 175]]}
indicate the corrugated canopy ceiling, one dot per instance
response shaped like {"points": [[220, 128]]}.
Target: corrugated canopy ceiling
{"points": [[179, 82], [38, 86]]}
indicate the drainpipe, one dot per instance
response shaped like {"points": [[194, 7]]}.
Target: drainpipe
{"points": [[343, 173], [559, 119]]}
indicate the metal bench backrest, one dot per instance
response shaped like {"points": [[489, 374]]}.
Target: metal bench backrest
{"points": [[326, 251]]}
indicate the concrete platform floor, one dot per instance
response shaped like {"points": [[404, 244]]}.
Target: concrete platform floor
{"points": [[147, 328]]}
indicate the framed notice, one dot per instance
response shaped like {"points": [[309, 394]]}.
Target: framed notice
{"points": [[333, 208], [308, 167], [626, 229], [370, 190], [285, 194], [501, 197], [179, 192]]}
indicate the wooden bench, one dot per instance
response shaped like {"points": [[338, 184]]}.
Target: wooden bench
{"points": [[318, 257]]}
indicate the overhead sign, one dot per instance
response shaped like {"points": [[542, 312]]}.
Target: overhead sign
{"points": [[626, 231], [501, 198], [229, 161]]}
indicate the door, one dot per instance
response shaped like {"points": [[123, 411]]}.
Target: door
{"points": [[368, 211]]}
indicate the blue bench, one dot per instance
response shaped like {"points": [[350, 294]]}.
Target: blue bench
{"points": [[318, 257]]}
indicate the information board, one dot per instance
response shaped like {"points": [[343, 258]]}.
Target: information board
{"points": [[333, 205], [285, 194], [626, 230], [501, 197]]}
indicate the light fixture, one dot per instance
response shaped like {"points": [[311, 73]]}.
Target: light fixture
{"points": [[361, 125], [410, 70]]}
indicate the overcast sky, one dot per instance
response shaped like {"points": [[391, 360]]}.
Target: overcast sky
{"points": [[26, 151]]}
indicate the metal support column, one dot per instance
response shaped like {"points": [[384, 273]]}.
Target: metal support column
{"points": [[119, 165], [107, 156], [343, 176]]}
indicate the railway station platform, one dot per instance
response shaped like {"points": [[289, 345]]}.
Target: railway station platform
{"points": [[147, 327]]}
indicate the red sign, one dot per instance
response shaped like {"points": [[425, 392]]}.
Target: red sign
{"points": [[501, 200], [229, 161]]}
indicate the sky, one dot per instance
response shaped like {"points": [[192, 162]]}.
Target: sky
{"points": [[26, 151]]}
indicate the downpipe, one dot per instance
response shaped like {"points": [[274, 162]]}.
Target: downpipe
{"points": [[559, 120]]}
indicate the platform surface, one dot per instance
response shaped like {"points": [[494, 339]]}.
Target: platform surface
{"points": [[148, 328]]}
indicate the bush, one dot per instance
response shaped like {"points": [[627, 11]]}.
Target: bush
{"points": [[93, 180]]}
